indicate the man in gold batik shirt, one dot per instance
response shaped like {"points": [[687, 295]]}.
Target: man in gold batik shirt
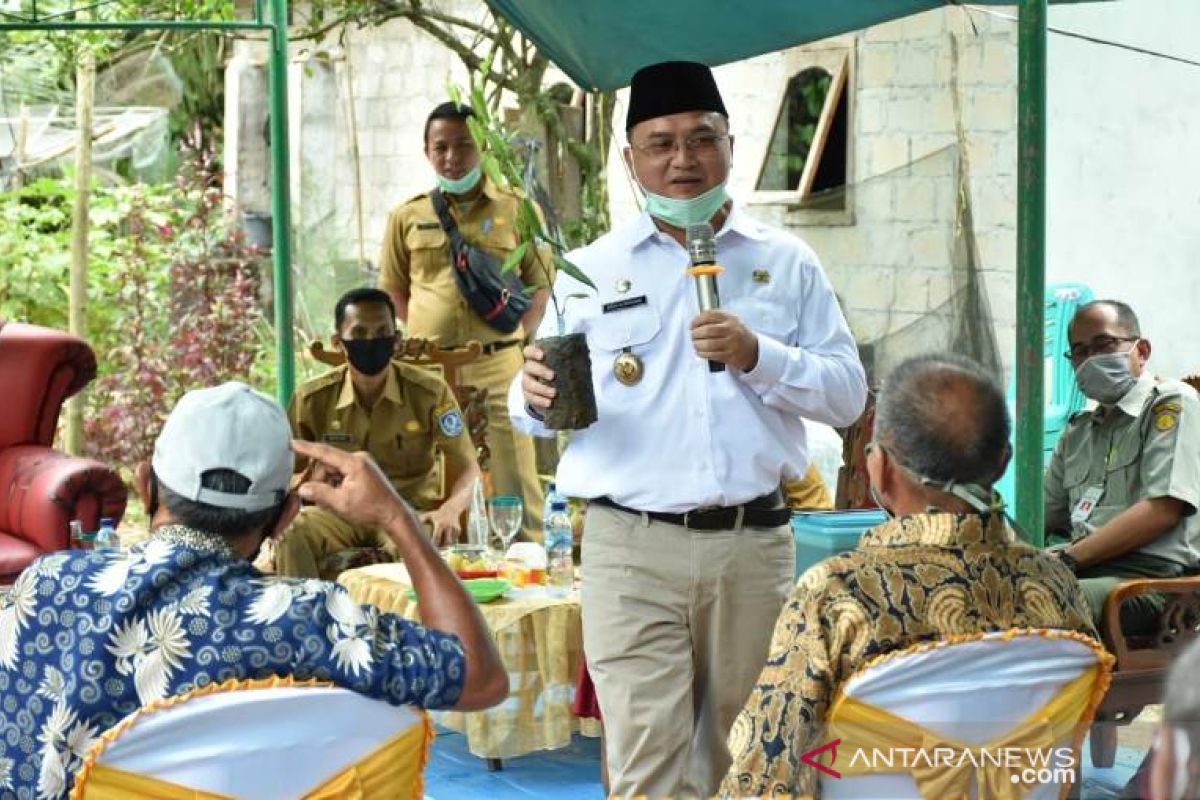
{"points": [[415, 269], [945, 564]]}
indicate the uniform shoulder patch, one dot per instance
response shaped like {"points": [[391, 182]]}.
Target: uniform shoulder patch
{"points": [[451, 422], [1166, 414]]}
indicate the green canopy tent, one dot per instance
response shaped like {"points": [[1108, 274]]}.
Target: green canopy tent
{"points": [[601, 43]]}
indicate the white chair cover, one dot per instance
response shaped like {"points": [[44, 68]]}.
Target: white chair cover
{"points": [[971, 691], [264, 743]]}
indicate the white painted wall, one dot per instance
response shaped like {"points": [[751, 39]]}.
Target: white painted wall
{"points": [[1124, 167]]}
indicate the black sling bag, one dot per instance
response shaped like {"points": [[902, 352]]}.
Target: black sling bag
{"points": [[498, 298]]}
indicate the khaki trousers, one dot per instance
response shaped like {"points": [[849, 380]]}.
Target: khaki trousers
{"points": [[513, 466], [676, 627], [1140, 615], [317, 534]]}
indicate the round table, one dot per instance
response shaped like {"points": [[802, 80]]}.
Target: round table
{"points": [[540, 639]]}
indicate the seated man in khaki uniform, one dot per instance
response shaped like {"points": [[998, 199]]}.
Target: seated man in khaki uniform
{"points": [[1124, 481], [404, 416]]}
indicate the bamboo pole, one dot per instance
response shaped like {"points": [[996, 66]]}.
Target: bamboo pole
{"points": [[85, 85], [22, 143]]}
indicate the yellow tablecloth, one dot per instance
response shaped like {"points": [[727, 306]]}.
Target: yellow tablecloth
{"points": [[540, 641]]}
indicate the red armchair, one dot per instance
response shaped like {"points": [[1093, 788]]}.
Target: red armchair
{"points": [[41, 489]]}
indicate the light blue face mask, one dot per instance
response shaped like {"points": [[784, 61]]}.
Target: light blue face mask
{"points": [[462, 185], [692, 211]]}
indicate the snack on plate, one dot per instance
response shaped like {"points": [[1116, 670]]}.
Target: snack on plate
{"points": [[468, 561]]}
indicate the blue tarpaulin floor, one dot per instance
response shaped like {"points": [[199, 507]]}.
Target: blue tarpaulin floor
{"points": [[573, 773]]}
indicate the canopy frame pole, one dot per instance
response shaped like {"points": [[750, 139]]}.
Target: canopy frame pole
{"points": [[1031, 266], [281, 205]]}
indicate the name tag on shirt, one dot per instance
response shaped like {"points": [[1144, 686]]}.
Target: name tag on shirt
{"points": [[428, 226], [1087, 504], [621, 305], [337, 438]]}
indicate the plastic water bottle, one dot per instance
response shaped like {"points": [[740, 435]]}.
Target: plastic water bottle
{"points": [[560, 562], [477, 521], [106, 537], [552, 495]]}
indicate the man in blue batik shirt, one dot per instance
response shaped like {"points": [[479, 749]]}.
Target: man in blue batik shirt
{"points": [[87, 638]]}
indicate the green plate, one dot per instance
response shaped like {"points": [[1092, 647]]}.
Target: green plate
{"points": [[483, 590]]}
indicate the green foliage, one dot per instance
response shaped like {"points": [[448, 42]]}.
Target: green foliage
{"points": [[172, 295], [501, 163]]}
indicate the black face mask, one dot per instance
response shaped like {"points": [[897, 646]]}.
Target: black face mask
{"points": [[370, 356]]}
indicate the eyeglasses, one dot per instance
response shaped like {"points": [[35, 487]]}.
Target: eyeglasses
{"points": [[700, 144], [1100, 344]]}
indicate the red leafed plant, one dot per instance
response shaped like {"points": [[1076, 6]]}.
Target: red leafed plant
{"points": [[185, 286]]}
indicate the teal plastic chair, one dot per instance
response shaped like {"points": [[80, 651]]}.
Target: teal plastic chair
{"points": [[1063, 397]]}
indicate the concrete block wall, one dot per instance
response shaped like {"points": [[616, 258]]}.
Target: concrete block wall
{"points": [[889, 257], [1119, 122], [394, 75]]}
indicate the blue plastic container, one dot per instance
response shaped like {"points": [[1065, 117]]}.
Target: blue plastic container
{"points": [[821, 534]]}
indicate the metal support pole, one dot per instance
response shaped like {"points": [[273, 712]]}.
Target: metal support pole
{"points": [[1031, 265], [281, 204]]}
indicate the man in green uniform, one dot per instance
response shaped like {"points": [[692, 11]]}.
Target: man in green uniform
{"points": [[415, 269], [1124, 482], [404, 416]]}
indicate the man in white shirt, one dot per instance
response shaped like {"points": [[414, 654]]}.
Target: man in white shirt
{"points": [[687, 553]]}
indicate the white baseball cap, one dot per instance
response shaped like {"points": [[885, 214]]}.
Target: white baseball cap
{"points": [[232, 427]]}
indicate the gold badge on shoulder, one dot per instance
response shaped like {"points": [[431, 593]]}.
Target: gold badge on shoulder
{"points": [[628, 368]]}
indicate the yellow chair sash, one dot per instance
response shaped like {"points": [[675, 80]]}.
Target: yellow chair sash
{"points": [[945, 769], [395, 769]]}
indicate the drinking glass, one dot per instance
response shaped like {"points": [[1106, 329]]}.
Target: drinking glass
{"points": [[507, 515]]}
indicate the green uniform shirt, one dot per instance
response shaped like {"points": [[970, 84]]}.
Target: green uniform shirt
{"points": [[414, 420], [416, 262], [1146, 446]]}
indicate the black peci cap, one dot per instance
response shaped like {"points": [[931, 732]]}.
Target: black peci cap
{"points": [[672, 87]]}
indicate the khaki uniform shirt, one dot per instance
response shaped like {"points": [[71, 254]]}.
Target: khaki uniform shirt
{"points": [[1146, 446], [913, 579], [416, 262], [414, 420]]}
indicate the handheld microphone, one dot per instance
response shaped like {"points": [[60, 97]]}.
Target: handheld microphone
{"points": [[702, 249]]}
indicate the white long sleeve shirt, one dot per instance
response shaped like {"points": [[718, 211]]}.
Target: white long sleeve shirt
{"points": [[684, 438]]}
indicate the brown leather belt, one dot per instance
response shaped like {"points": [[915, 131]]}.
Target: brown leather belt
{"points": [[761, 512], [495, 347]]}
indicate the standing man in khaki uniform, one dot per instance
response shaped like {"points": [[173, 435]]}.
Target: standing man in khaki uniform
{"points": [[415, 270], [1124, 482], [404, 416]]}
